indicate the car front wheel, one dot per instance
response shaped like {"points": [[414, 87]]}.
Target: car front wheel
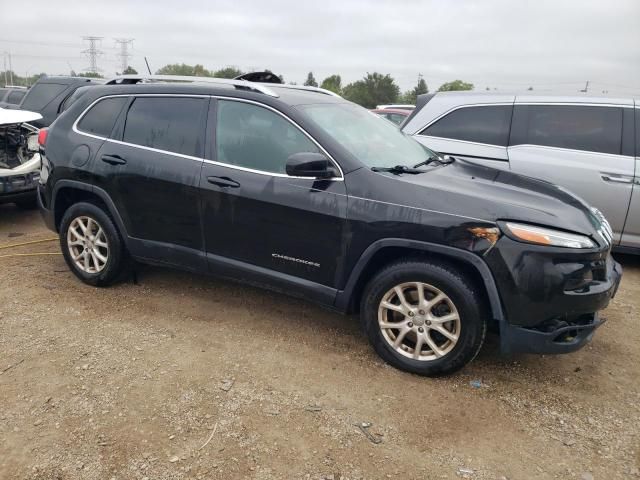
{"points": [[423, 317]]}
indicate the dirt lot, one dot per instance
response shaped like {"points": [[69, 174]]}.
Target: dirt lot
{"points": [[190, 377]]}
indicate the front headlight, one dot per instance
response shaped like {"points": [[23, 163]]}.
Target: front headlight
{"points": [[547, 236]]}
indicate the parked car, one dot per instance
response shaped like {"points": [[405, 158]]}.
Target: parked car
{"points": [[584, 144], [19, 157], [396, 116], [396, 106], [11, 95], [49, 94], [300, 191]]}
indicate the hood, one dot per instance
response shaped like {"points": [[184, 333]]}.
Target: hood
{"points": [[10, 117], [479, 192]]}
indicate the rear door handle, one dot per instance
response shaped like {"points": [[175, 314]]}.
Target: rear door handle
{"points": [[223, 182], [614, 178], [113, 159]]}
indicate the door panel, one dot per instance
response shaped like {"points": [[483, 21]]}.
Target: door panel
{"points": [[631, 235], [290, 225], [602, 180]]}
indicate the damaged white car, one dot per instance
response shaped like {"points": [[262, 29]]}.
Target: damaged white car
{"points": [[19, 157]]}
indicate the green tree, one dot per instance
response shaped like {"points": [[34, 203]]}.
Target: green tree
{"points": [[411, 96], [184, 69], [455, 86], [333, 83], [228, 72], [310, 81], [90, 75], [130, 71], [375, 88]]}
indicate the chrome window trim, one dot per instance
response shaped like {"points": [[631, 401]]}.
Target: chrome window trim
{"points": [[573, 150], [459, 107], [461, 141], [575, 104], [202, 159]]}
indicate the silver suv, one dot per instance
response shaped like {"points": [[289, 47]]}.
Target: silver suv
{"points": [[589, 145]]}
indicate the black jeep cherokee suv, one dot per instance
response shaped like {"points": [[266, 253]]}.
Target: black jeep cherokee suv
{"points": [[303, 192]]}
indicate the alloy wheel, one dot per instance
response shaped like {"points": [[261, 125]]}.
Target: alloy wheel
{"points": [[87, 244], [419, 321]]}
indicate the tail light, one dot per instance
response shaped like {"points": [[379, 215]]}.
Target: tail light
{"points": [[42, 136]]}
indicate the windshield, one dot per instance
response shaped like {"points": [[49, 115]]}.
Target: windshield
{"points": [[371, 139]]}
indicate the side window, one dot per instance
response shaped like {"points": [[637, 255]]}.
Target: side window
{"points": [[15, 97], [486, 124], [637, 132], [102, 116], [254, 137], [576, 127], [397, 118], [41, 94], [174, 124]]}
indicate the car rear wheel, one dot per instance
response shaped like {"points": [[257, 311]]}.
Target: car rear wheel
{"points": [[423, 317], [91, 245]]}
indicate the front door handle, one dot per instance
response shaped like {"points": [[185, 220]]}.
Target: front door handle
{"points": [[615, 178], [113, 159], [223, 182]]}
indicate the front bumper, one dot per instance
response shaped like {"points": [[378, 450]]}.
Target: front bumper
{"points": [[16, 188], [551, 296]]}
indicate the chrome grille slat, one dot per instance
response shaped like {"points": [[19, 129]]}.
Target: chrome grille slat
{"points": [[604, 230]]}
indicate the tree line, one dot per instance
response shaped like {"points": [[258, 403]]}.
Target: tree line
{"points": [[373, 89]]}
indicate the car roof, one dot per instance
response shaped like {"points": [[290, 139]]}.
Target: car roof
{"points": [[70, 80], [285, 93], [535, 97]]}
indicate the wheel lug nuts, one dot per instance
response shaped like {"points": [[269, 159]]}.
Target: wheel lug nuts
{"points": [[410, 324], [411, 314], [421, 329], [421, 312]]}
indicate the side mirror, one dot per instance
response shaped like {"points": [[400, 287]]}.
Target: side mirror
{"points": [[308, 164]]}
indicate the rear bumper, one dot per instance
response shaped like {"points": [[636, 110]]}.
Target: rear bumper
{"points": [[563, 334]]}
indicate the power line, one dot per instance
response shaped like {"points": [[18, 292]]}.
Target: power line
{"points": [[124, 55], [93, 52]]}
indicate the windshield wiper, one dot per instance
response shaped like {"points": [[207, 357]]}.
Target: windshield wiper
{"points": [[440, 160], [397, 169]]}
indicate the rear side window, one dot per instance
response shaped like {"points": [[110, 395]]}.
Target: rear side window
{"points": [[3, 92], [15, 97], [485, 124], [41, 94], [254, 137], [173, 124], [576, 127], [102, 116], [637, 132]]}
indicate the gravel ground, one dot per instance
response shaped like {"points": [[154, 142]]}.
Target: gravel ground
{"points": [[189, 377]]}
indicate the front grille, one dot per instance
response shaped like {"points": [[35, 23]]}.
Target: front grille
{"points": [[604, 229]]}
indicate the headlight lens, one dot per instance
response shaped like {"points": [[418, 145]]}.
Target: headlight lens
{"points": [[547, 236]]}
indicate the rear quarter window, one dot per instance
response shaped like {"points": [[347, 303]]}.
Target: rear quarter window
{"points": [[101, 118], [41, 94], [575, 127], [482, 124]]}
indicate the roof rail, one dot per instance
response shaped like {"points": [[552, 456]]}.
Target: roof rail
{"points": [[132, 79], [306, 88]]}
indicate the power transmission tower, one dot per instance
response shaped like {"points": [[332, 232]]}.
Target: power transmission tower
{"points": [[93, 53], [124, 55]]}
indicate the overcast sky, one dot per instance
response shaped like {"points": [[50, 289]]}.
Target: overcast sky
{"points": [[506, 44]]}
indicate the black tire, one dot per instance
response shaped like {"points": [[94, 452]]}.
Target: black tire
{"points": [[29, 204], [116, 263], [464, 295]]}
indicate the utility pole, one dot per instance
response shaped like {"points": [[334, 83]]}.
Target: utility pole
{"points": [[93, 53], [124, 55]]}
